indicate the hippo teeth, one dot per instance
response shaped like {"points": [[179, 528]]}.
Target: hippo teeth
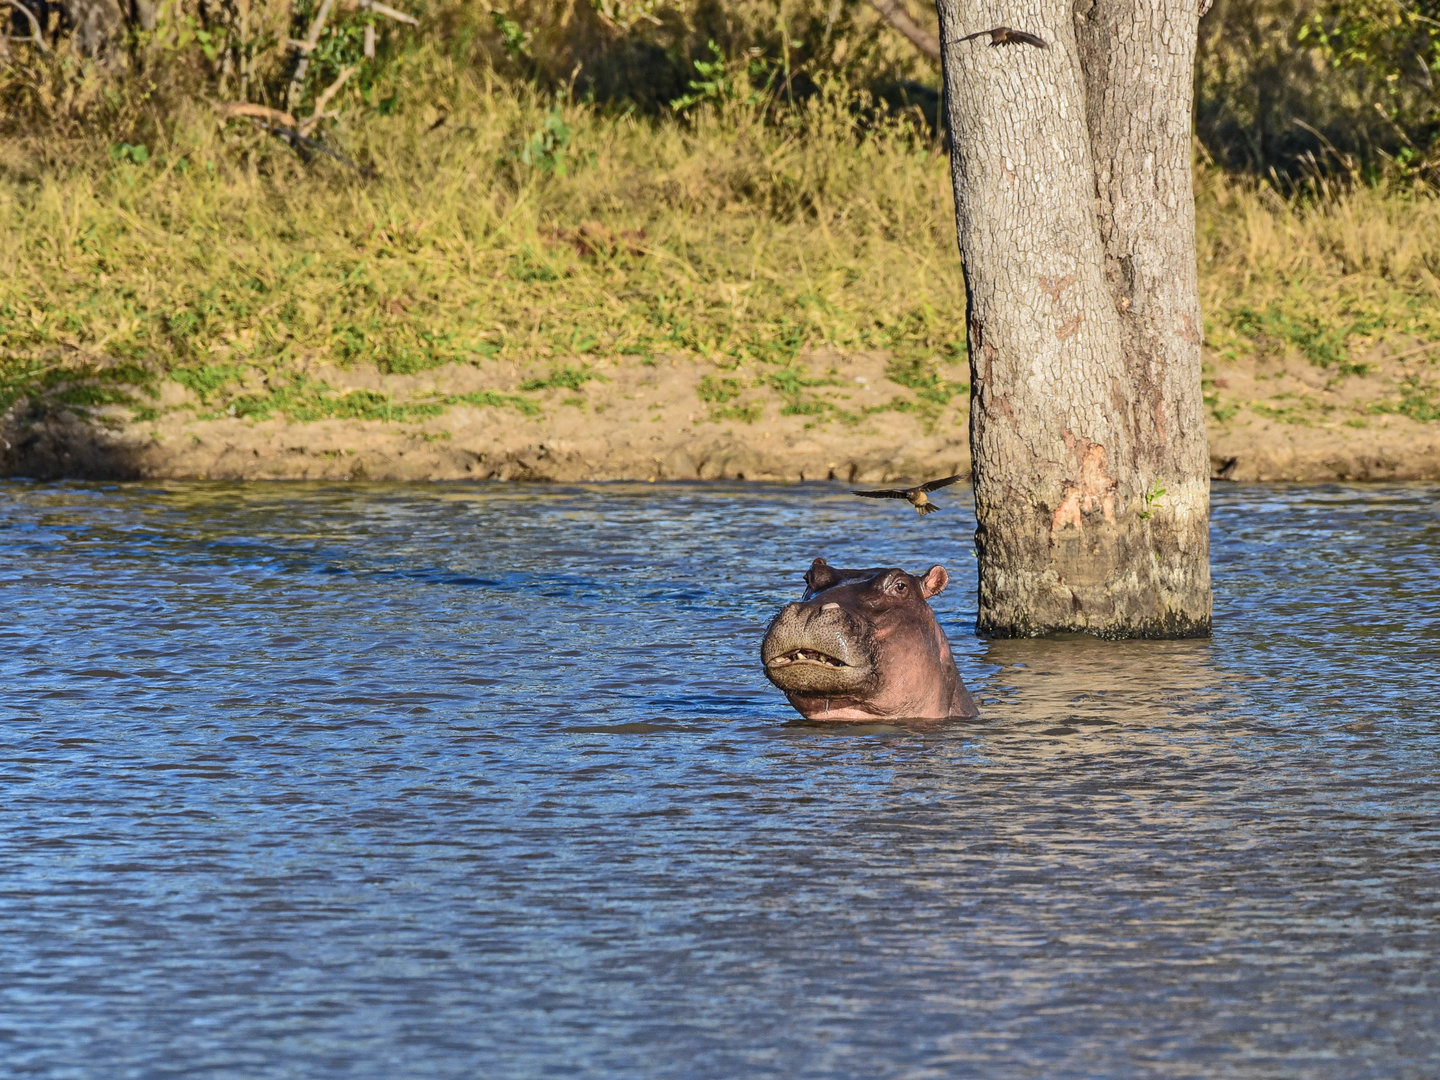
{"points": [[810, 656]]}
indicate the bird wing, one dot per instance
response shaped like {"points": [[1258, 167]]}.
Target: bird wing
{"points": [[972, 37], [1014, 36], [936, 485], [884, 493]]}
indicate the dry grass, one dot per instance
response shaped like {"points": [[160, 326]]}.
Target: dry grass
{"points": [[758, 241], [1329, 273], [504, 227]]}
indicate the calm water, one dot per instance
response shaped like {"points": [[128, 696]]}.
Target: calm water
{"points": [[459, 781]]}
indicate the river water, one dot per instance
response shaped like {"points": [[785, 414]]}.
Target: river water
{"points": [[485, 781]]}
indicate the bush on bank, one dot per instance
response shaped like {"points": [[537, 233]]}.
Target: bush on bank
{"points": [[1288, 85]]}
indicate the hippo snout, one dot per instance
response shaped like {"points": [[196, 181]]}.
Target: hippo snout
{"points": [[815, 648]]}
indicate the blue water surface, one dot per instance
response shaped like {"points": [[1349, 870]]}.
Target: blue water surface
{"points": [[485, 781]]}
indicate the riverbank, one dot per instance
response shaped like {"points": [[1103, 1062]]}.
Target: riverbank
{"points": [[714, 295], [830, 415]]}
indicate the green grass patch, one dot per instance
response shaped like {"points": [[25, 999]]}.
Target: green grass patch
{"points": [[77, 386], [927, 382], [1299, 411], [1417, 400], [1221, 412], [304, 399], [747, 413], [718, 391], [791, 383], [564, 378], [1323, 342], [207, 380], [495, 400], [87, 395]]}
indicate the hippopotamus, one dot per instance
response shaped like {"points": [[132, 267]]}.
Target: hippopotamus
{"points": [[864, 645]]}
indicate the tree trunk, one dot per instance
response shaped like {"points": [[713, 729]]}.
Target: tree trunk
{"points": [[98, 25], [1077, 231], [1139, 64]]}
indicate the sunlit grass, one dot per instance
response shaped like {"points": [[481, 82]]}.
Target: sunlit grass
{"points": [[224, 263], [1324, 274]]}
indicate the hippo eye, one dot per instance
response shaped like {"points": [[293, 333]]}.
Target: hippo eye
{"points": [[899, 587]]}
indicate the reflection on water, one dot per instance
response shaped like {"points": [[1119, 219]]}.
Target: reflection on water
{"points": [[485, 781]]}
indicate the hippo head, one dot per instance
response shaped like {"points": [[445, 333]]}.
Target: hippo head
{"points": [[864, 645]]}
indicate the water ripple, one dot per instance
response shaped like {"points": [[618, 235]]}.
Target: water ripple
{"points": [[455, 780]]}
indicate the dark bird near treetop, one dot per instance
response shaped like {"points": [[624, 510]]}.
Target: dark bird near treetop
{"points": [[916, 495], [1003, 35]]}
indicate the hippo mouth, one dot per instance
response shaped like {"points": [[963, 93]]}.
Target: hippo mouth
{"points": [[806, 656], [808, 653]]}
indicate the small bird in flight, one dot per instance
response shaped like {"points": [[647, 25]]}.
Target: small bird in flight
{"points": [[1003, 35], [917, 496]]}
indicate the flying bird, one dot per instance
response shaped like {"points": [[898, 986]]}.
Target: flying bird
{"points": [[917, 496], [1003, 35]]}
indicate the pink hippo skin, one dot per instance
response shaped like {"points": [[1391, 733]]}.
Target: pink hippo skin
{"points": [[864, 645]]}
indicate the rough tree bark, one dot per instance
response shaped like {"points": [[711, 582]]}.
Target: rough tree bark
{"points": [[1075, 218]]}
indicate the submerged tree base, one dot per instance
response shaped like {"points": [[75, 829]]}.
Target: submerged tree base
{"points": [[1167, 629]]}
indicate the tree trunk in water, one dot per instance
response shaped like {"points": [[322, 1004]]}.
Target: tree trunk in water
{"points": [[1139, 63], [1076, 228]]}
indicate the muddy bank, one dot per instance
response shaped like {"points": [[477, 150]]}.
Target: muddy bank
{"points": [[680, 420]]}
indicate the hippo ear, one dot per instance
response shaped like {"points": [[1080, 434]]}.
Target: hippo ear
{"points": [[934, 581], [820, 576]]}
